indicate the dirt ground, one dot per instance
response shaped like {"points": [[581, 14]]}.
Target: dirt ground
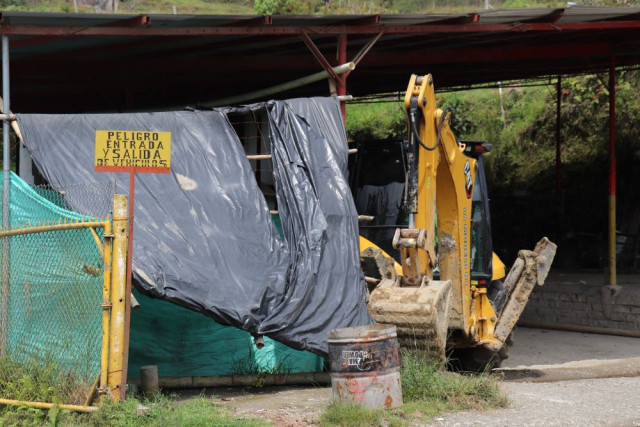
{"points": [[552, 378]]}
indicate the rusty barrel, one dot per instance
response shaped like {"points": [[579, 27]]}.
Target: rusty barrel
{"points": [[365, 367]]}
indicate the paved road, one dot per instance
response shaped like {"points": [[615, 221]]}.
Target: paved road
{"points": [[589, 402], [547, 347], [565, 379], [537, 385]]}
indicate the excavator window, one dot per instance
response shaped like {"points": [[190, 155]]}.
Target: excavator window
{"points": [[481, 245], [377, 177]]}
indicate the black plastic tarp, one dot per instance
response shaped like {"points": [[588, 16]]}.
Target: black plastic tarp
{"points": [[203, 234]]}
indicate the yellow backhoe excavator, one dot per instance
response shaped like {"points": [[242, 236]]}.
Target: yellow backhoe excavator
{"points": [[446, 293]]}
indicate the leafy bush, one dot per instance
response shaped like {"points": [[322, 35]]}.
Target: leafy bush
{"points": [[376, 121]]}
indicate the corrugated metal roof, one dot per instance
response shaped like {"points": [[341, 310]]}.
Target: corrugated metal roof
{"points": [[102, 62]]}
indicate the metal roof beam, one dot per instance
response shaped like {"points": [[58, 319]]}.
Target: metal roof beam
{"points": [[151, 31], [136, 21], [509, 53]]}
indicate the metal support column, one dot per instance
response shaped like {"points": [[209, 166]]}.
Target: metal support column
{"points": [[558, 140], [342, 81], [612, 174], [6, 200]]}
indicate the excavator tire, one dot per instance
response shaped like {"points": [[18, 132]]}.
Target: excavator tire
{"points": [[478, 359]]}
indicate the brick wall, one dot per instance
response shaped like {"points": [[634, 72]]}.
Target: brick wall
{"points": [[582, 299]]}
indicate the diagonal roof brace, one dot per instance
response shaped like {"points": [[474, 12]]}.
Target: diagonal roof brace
{"points": [[318, 55], [328, 67]]}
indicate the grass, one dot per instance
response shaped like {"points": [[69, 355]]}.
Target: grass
{"points": [[427, 390], [164, 411], [40, 379], [183, 7]]}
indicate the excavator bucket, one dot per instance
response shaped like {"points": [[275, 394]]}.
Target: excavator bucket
{"points": [[530, 269], [419, 313]]}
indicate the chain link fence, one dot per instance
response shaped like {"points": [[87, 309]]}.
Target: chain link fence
{"points": [[93, 199], [52, 297]]}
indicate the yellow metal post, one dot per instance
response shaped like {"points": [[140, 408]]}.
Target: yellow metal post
{"points": [[106, 306], [118, 297]]}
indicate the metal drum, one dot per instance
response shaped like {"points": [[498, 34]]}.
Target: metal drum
{"points": [[365, 367]]}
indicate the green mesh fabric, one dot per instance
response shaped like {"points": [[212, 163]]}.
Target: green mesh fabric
{"points": [[52, 309], [184, 343]]}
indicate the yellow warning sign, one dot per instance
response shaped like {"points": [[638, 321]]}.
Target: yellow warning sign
{"points": [[124, 150]]}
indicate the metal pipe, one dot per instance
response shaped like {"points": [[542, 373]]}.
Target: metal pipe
{"points": [[118, 291], [558, 150], [128, 284], [6, 157], [360, 217], [106, 306], [340, 69], [51, 227], [92, 394], [579, 328], [45, 405], [5, 291], [612, 174], [342, 82], [268, 156], [259, 157], [311, 378]]}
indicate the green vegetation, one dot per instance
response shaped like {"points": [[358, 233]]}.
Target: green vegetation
{"points": [[521, 168], [376, 121], [291, 7], [40, 380], [185, 7], [356, 416], [427, 390], [163, 411]]}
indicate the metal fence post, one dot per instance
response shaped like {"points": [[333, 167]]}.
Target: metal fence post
{"points": [[5, 292], [116, 381], [106, 306]]}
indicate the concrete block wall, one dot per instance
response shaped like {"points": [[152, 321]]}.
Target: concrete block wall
{"points": [[583, 299]]}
